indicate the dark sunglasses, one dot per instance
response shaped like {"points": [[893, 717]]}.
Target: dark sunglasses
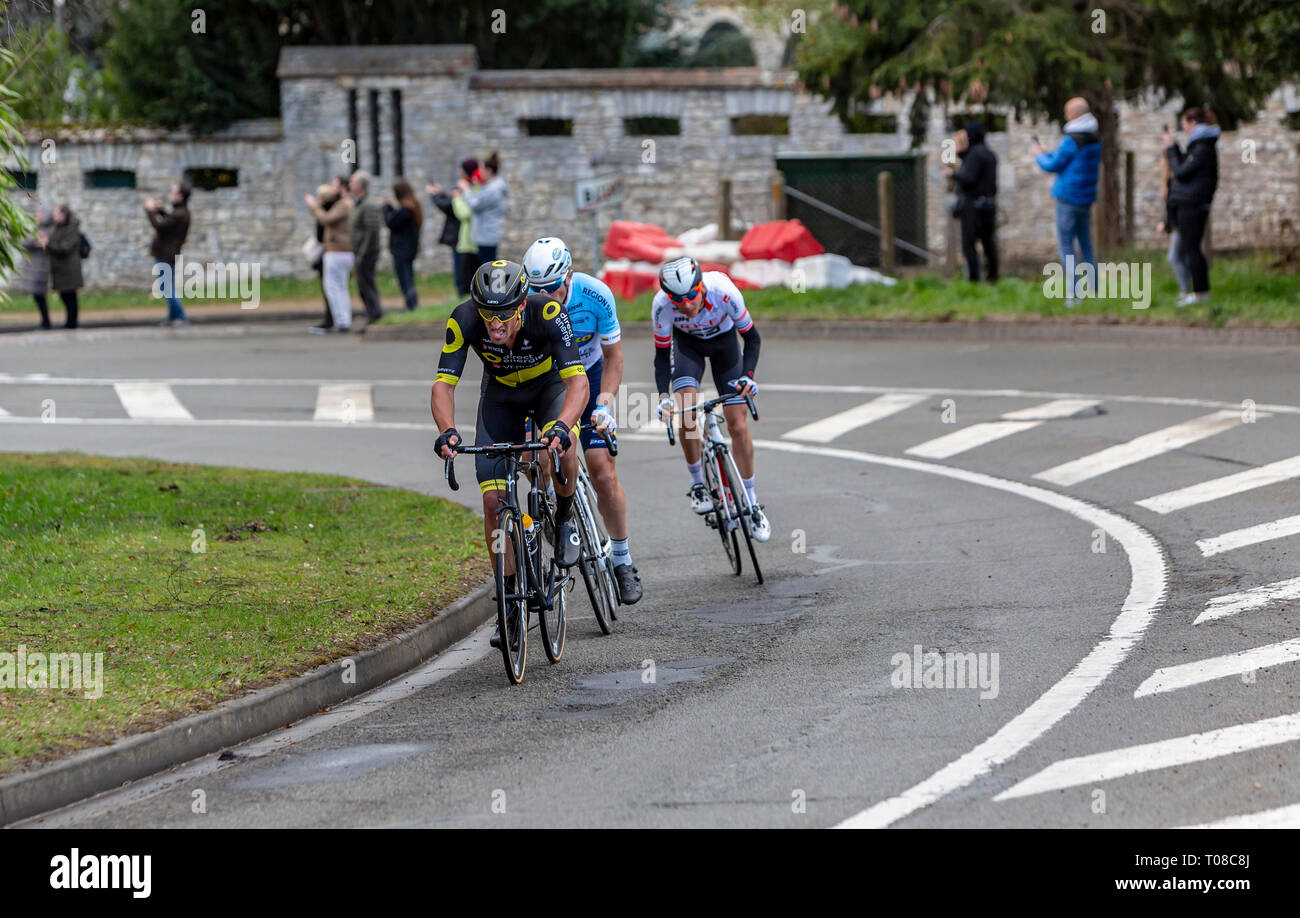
{"points": [[685, 297]]}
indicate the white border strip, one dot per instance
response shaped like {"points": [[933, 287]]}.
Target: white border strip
{"points": [[1146, 595]]}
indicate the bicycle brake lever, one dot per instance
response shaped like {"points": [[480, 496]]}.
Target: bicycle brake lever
{"points": [[555, 466], [450, 472]]}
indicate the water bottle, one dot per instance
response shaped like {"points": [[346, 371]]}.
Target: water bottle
{"points": [[530, 538]]}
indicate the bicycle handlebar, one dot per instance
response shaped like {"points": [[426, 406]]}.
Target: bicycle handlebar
{"points": [[708, 406], [497, 450], [612, 439]]}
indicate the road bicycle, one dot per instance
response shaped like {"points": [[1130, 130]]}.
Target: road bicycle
{"points": [[541, 585], [597, 559], [732, 510]]}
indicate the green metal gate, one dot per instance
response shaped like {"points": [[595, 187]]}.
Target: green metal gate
{"points": [[847, 183]]}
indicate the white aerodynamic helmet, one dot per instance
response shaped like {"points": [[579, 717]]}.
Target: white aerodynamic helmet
{"points": [[547, 262], [679, 276]]}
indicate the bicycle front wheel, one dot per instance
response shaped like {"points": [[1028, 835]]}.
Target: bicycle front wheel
{"points": [[737, 488], [723, 518], [555, 583], [596, 563], [512, 614]]}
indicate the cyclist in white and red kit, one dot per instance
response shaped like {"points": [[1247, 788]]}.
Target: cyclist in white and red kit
{"points": [[696, 317]]}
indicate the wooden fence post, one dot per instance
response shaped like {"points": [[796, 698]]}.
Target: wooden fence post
{"points": [[724, 209], [778, 195], [885, 197], [1130, 218]]}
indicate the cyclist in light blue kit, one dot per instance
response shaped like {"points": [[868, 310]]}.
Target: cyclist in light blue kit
{"points": [[594, 316]]}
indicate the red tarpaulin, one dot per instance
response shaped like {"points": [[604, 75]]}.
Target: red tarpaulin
{"points": [[782, 239]]}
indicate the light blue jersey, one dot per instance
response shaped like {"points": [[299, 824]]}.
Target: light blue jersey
{"points": [[594, 315]]}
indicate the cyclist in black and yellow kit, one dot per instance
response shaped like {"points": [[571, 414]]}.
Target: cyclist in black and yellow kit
{"points": [[531, 365]]}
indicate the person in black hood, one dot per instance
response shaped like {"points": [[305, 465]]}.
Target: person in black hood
{"points": [[1191, 191], [977, 189]]}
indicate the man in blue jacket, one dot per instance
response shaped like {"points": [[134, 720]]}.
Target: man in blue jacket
{"points": [[1077, 162]]}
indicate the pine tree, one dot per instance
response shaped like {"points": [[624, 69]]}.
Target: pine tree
{"points": [[1033, 55]]}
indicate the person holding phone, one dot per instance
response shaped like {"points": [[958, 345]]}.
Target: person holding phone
{"points": [[1077, 164], [1195, 177]]}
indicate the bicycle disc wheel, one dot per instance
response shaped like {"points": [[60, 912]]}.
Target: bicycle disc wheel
{"points": [[512, 614], [594, 564], [555, 583], [743, 505], [721, 514]]}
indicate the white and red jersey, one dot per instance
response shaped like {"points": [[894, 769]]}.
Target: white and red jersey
{"points": [[723, 310]]}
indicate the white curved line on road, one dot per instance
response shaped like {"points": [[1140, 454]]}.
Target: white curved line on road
{"points": [[1146, 593], [36, 379], [1145, 596]]}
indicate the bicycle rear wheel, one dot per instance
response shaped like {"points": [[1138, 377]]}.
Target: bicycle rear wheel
{"points": [[722, 516], [555, 584], [595, 564], [737, 487], [512, 614]]}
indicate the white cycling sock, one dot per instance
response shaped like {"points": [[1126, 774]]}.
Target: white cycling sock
{"points": [[621, 553], [749, 489], [697, 472]]}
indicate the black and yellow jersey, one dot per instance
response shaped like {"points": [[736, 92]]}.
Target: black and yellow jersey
{"points": [[545, 344]]}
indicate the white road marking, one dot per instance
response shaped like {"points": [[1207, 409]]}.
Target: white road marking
{"points": [[1012, 422], [1141, 448], [425, 426], [151, 400], [1172, 678], [1145, 596], [347, 402], [1054, 410], [27, 379], [1184, 750], [968, 438], [1251, 535], [1249, 600], [3, 413], [827, 429], [1217, 488], [1284, 817], [452, 660]]}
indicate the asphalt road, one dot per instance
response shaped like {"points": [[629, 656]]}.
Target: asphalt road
{"points": [[720, 702]]}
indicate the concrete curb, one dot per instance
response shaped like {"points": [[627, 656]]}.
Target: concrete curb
{"points": [[1060, 332], [88, 321], [93, 771]]}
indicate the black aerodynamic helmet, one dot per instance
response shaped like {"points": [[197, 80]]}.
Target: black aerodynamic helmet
{"points": [[679, 276], [499, 286]]}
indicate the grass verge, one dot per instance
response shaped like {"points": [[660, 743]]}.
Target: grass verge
{"points": [[279, 290], [102, 556], [1261, 289]]}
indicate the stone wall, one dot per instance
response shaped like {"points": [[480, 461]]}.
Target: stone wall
{"points": [[451, 110], [254, 222]]}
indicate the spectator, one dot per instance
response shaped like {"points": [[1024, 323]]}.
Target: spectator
{"points": [[488, 202], [1195, 178], [404, 221], [326, 196], [364, 224], [337, 258], [1170, 225], [170, 230], [1077, 162], [977, 189], [456, 231], [63, 243], [35, 279]]}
